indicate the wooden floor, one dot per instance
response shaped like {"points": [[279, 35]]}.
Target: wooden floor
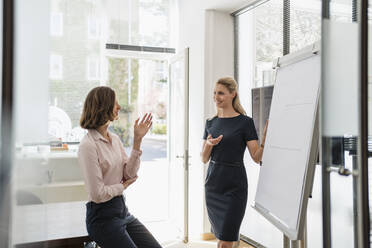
{"points": [[243, 245]]}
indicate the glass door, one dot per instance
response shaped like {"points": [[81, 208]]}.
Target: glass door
{"points": [[345, 135], [178, 142]]}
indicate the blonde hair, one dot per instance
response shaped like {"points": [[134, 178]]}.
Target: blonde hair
{"points": [[232, 86]]}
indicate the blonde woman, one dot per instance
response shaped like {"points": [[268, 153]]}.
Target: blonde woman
{"points": [[108, 171], [226, 136]]}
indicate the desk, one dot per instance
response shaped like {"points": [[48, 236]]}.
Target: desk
{"points": [[50, 225]]}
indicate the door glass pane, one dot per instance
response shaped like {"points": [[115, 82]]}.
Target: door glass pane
{"points": [[339, 131], [177, 122], [142, 87]]}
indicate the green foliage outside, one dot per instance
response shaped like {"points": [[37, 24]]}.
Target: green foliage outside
{"points": [[118, 80], [159, 129], [123, 133]]}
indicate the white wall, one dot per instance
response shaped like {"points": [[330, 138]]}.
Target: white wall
{"points": [[191, 34], [219, 53]]}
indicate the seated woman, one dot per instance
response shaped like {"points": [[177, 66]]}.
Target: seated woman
{"points": [[108, 171]]}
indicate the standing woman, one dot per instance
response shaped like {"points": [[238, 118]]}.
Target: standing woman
{"points": [[225, 138], [108, 171]]}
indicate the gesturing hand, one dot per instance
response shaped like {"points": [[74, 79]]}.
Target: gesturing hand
{"points": [[143, 126], [129, 182], [265, 131], [215, 141]]}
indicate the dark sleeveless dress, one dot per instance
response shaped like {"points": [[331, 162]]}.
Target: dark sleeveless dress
{"points": [[226, 187]]}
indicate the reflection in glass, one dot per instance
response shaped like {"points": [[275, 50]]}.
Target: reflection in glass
{"points": [[54, 72]]}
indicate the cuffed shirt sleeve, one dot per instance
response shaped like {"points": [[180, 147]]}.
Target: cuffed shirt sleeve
{"points": [[131, 163]]}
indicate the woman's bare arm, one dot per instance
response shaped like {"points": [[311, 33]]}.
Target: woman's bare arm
{"points": [[256, 150]]}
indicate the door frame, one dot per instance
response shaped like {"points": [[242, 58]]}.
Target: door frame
{"points": [[185, 156]]}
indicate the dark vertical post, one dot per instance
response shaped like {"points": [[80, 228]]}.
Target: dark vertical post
{"points": [[363, 213], [286, 50], [6, 143], [326, 189], [286, 26], [354, 18]]}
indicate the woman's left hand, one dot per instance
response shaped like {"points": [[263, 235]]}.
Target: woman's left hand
{"points": [[143, 126]]}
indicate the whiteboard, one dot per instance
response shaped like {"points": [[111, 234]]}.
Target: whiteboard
{"points": [[285, 178]]}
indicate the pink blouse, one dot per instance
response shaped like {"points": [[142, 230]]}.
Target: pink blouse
{"points": [[105, 165]]}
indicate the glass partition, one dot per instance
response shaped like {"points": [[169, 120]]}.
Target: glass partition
{"points": [[341, 132], [60, 55]]}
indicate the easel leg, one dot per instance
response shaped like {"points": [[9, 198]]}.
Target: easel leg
{"points": [[285, 242], [295, 244]]}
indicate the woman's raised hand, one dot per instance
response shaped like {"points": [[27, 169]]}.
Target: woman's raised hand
{"points": [[143, 126], [215, 141]]}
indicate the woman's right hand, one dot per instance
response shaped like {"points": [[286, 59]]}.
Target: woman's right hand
{"points": [[129, 182], [264, 134], [215, 141]]}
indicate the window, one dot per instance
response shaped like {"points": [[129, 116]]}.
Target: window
{"points": [[93, 68], [87, 27], [93, 28], [260, 42], [305, 27], [56, 24], [56, 67], [269, 39], [50, 181], [153, 29], [139, 22]]}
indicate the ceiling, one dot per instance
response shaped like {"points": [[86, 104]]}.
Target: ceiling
{"points": [[222, 5]]}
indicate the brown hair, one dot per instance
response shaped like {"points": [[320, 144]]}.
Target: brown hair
{"points": [[232, 86], [98, 107]]}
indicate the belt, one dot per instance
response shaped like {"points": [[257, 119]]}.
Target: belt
{"points": [[233, 164]]}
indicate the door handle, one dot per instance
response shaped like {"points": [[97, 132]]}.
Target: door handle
{"points": [[181, 156]]}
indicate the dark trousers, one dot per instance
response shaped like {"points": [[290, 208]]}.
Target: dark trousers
{"points": [[112, 226]]}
